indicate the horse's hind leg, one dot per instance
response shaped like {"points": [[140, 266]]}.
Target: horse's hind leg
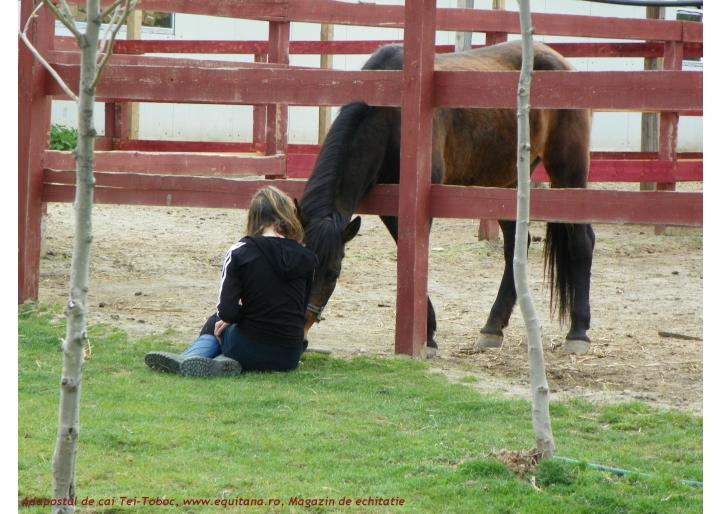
{"points": [[491, 335], [569, 247], [581, 245], [568, 254], [391, 222]]}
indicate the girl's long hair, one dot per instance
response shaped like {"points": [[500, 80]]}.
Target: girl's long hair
{"points": [[272, 207]]}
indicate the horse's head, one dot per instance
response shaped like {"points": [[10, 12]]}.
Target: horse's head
{"points": [[335, 186], [326, 237]]}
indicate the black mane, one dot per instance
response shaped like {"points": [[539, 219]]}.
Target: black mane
{"points": [[323, 223], [318, 200]]}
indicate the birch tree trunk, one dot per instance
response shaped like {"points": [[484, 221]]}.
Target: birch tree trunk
{"points": [[538, 382], [76, 335]]}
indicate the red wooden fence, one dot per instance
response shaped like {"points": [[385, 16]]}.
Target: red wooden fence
{"points": [[200, 174]]}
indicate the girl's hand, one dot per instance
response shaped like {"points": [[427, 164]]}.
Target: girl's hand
{"points": [[220, 326]]}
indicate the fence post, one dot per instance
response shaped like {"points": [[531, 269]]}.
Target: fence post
{"points": [[260, 119], [33, 138], [463, 40], [494, 38], [649, 125], [276, 125], [415, 167], [326, 62], [489, 230], [134, 31], [116, 121], [667, 146]]}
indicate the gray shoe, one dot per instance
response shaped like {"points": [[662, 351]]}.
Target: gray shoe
{"points": [[220, 366], [164, 361]]}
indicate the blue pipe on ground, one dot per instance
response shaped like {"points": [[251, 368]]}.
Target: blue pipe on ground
{"points": [[622, 472]]}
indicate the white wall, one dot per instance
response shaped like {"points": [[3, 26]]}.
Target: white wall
{"points": [[611, 131]]}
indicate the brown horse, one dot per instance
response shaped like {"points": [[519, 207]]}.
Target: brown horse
{"points": [[471, 147]]}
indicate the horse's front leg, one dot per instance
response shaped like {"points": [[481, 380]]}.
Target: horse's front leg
{"points": [[491, 335], [391, 222]]}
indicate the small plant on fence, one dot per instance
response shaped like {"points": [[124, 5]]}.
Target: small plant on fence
{"points": [[63, 138]]}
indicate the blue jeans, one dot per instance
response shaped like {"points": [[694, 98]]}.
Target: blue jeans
{"points": [[251, 355], [258, 356], [204, 346]]}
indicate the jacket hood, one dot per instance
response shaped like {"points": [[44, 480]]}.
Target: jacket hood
{"points": [[289, 259]]}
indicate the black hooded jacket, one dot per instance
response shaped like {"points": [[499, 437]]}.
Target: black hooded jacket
{"points": [[264, 288]]}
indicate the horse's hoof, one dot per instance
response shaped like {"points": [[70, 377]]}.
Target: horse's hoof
{"points": [[576, 346], [488, 341], [430, 352]]}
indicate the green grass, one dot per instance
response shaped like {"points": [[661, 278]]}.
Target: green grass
{"points": [[367, 427]]}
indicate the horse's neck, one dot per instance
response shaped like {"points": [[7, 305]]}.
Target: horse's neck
{"points": [[350, 195], [365, 161]]}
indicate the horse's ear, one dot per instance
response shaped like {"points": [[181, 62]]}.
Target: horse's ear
{"points": [[351, 229]]}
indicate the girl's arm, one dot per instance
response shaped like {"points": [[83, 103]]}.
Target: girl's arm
{"points": [[229, 306]]}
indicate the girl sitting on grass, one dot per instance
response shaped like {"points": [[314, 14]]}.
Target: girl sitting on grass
{"points": [[264, 287]]}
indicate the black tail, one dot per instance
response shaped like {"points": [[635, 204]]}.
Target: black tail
{"points": [[558, 269]]}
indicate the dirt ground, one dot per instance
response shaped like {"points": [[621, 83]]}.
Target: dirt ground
{"points": [[155, 269]]}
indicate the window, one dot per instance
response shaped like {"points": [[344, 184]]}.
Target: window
{"points": [[162, 20], [691, 63]]}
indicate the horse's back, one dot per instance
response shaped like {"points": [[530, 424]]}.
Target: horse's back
{"points": [[478, 146], [502, 57]]}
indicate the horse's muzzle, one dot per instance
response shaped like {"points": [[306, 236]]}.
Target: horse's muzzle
{"points": [[313, 314], [309, 322]]}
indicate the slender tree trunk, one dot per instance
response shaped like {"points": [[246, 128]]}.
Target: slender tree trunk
{"points": [[538, 382], [76, 335]]}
